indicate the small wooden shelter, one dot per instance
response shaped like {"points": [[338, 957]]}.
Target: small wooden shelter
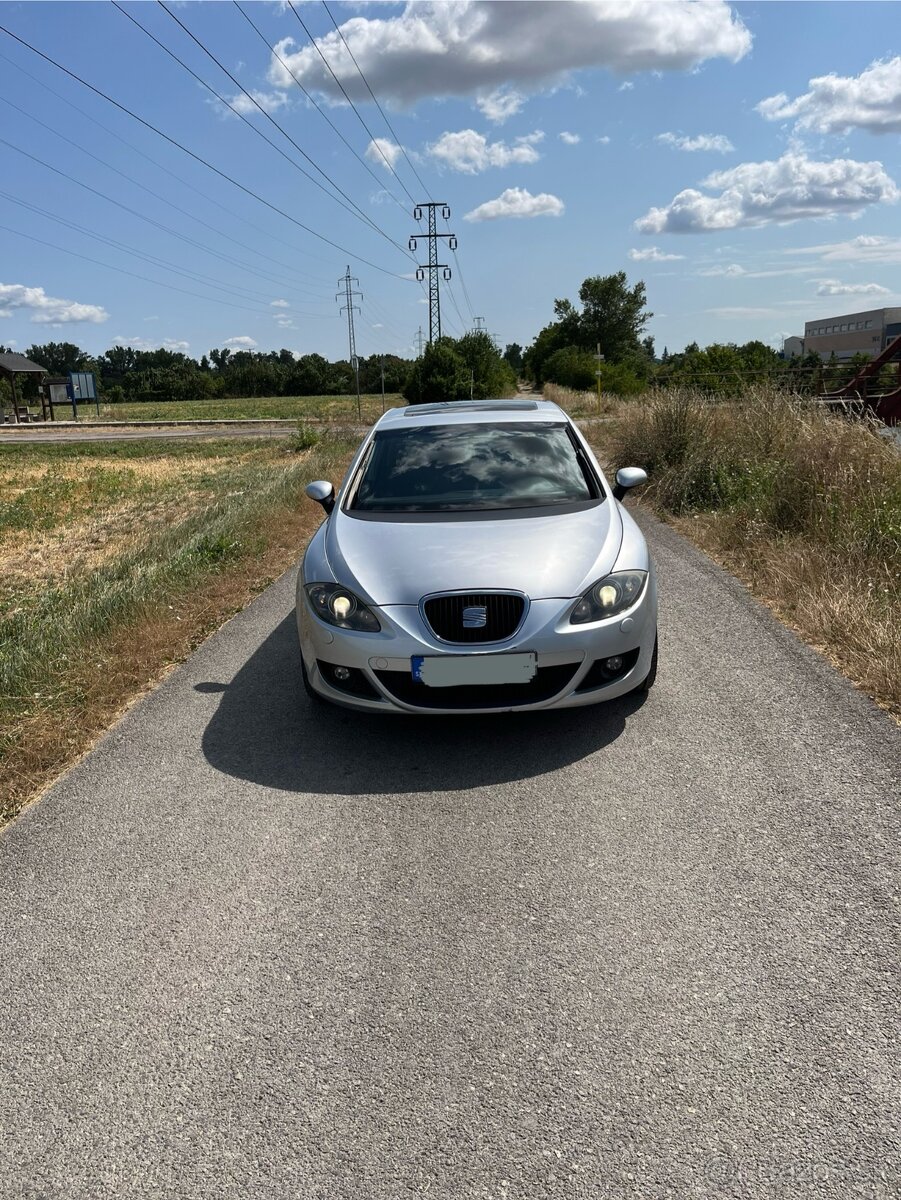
{"points": [[13, 365]]}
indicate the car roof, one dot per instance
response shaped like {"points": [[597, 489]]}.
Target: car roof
{"points": [[460, 412]]}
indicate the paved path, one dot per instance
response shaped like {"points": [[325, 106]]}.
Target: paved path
{"points": [[253, 950]]}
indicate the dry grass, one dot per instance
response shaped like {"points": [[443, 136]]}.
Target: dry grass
{"points": [[134, 585], [803, 506], [581, 404]]}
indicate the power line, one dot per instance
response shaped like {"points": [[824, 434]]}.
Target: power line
{"points": [[351, 206], [215, 284], [312, 100], [161, 167], [372, 136], [197, 157], [269, 277], [403, 151], [397, 140], [132, 211], [179, 179], [143, 278]]}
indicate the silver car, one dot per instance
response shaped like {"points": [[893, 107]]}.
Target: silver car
{"points": [[476, 560]]}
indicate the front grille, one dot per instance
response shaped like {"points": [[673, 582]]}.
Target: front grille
{"points": [[546, 682], [503, 615]]}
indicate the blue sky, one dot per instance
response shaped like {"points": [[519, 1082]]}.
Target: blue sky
{"points": [[744, 160]]}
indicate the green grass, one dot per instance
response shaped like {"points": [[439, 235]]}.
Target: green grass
{"points": [[284, 407], [109, 537], [46, 488]]}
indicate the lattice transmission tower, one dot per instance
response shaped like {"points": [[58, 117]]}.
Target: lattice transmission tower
{"points": [[433, 266]]}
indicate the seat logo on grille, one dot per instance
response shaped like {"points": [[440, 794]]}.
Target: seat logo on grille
{"points": [[475, 617]]}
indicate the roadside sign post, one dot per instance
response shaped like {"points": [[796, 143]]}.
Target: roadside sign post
{"points": [[600, 358]]}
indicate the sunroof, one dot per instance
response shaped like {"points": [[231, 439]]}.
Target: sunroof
{"points": [[473, 406]]}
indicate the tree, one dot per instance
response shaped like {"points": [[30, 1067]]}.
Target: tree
{"points": [[613, 315], [58, 357], [439, 376], [489, 375], [513, 356]]}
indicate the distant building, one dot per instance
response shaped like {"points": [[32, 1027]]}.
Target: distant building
{"points": [[793, 347], [854, 333]]}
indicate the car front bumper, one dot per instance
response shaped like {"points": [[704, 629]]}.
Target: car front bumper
{"points": [[569, 658]]}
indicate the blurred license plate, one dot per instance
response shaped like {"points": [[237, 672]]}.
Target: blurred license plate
{"points": [[456, 670]]}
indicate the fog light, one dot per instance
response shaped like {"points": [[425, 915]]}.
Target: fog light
{"points": [[614, 663], [342, 674]]}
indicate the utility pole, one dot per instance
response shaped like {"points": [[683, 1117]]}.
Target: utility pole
{"points": [[434, 266], [599, 358], [479, 325], [349, 280], [472, 379], [382, 369], [419, 341]]}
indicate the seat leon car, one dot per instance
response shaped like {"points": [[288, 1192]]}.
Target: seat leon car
{"points": [[475, 559]]}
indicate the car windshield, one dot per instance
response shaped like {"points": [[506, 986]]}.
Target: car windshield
{"points": [[459, 468]]}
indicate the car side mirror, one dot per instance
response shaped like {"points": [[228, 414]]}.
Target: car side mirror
{"points": [[323, 493], [628, 477]]}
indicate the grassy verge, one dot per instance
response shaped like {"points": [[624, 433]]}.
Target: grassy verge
{"points": [[802, 506], [285, 407], [117, 560], [581, 404]]}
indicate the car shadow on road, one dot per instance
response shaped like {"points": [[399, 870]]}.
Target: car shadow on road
{"points": [[267, 731]]}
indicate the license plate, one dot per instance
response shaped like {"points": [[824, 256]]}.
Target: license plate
{"points": [[451, 670]]}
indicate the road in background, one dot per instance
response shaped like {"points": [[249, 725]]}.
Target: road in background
{"points": [[257, 949]]}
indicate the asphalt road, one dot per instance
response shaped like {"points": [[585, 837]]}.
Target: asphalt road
{"points": [[254, 950]]}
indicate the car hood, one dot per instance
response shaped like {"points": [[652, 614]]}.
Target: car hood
{"points": [[399, 562]]}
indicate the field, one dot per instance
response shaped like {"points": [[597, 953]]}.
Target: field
{"points": [[115, 560], [295, 408]]}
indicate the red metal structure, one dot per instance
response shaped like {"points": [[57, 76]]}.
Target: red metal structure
{"points": [[887, 405]]}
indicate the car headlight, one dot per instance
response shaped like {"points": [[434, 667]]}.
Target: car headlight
{"points": [[609, 596], [339, 606]]}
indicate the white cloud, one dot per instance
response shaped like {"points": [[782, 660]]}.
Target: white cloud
{"points": [[714, 142], [242, 105], [571, 139], [384, 152], [500, 104], [279, 304], [626, 86], [139, 343], [240, 343], [836, 103], [283, 321], [604, 141], [653, 254], [47, 310], [475, 47], [471, 152], [861, 249], [833, 287], [765, 193], [517, 202], [732, 271]]}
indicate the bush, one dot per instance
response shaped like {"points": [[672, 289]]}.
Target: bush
{"points": [[304, 438]]}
